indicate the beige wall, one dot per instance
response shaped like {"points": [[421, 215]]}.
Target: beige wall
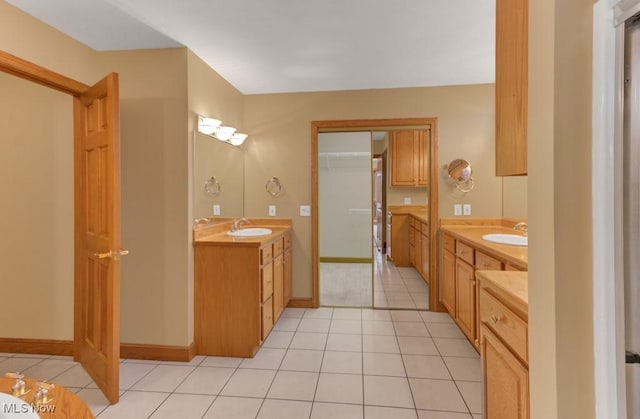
{"points": [[514, 196], [560, 285], [279, 145]]}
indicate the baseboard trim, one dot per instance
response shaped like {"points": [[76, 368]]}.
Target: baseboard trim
{"points": [[329, 259], [157, 352], [301, 303], [36, 346], [127, 350]]}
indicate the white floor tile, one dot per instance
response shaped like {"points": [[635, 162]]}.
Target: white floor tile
{"points": [[221, 361], [131, 373], [135, 404], [302, 360], [377, 412], [306, 340], [342, 362], [437, 395], [410, 329], [196, 361], [318, 313], [287, 324], [206, 380], [265, 359], [465, 369], [424, 366], [293, 312], [75, 376], [346, 342], [383, 328], [183, 406], [405, 316], [347, 313], [284, 409], [339, 388], [322, 410], [376, 314], [17, 364], [314, 325], [48, 368], [472, 394], [417, 345], [293, 385], [346, 326], [445, 330], [277, 339], [163, 378], [384, 344], [94, 399], [249, 383], [387, 391], [383, 364], [233, 408], [455, 347], [435, 317]]}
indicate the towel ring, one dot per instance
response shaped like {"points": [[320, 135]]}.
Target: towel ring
{"points": [[273, 186], [212, 186]]}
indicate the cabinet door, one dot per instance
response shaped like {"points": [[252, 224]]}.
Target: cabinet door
{"points": [[423, 159], [404, 161], [424, 259], [506, 380], [511, 87], [278, 286], [288, 276], [466, 299], [449, 282]]}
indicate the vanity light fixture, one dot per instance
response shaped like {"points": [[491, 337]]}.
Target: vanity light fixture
{"points": [[214, 128]]}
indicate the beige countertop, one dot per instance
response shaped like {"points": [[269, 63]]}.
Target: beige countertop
{"points": [[518, 256], [512, 286], [418, 211], [215, 234]]}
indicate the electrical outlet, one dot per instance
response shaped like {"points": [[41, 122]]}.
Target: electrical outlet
{"points": [[466, 209], [216, 209], [272, 210], [457, 210], [305, 211], [407, 201]]}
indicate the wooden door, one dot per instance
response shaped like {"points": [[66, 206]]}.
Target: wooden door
{"points": [[97, 234], [466, 299]]}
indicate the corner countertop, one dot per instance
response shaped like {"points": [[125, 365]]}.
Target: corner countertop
{"points": [[216, 234], [511, 286], [420, 212], [517, 256]]}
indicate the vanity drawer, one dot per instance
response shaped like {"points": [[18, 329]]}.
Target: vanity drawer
{"points": [[505, 323], [464, 252], [487, 262], [266, 254], [277, 247], [267, 318], [267, 282], [448, 243], [287, 241]]}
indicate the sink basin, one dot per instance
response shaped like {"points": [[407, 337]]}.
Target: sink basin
{"points": [[511, 239], [15, 408], [250, 232]]}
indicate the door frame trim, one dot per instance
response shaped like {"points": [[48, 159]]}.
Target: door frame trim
{"points": [[378, 125]]}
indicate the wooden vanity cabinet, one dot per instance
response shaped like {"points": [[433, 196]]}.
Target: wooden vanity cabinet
{"points": [[448, 284], [419, 246], [504, 355], [465, 313], [398, 245], [409, 158], [240, 292], [511, 87]]}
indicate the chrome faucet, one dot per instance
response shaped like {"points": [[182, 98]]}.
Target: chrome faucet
{"points": [[238, 224], [199, 221], [522, 226]]}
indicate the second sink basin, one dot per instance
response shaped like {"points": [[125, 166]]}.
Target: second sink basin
{"points": [[511, 239], [250, 232]]}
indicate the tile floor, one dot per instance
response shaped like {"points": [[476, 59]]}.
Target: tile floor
{"points": [[316, 364], [349, 285]]}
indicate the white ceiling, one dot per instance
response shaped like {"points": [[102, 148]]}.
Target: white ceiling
{"points": [[275, 46]]}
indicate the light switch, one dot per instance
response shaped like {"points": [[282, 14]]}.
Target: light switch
{"points": [[272, 210], [216, 209], [305, 211], [466, 209], [457, 210]]}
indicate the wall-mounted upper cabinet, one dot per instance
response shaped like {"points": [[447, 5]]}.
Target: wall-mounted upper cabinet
{"points": [[409, 158], [511, 87]]}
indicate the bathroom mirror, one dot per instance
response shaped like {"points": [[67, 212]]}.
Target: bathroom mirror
{"points": [[459, 171], [223, 162]]}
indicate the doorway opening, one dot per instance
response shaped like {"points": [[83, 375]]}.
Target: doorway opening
{"points": [[373, 215]]}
